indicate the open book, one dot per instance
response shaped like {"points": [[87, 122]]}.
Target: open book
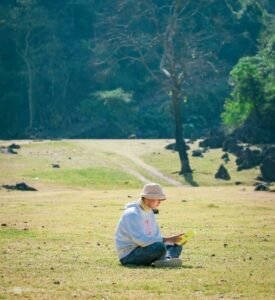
{"points": [[189, 234]]}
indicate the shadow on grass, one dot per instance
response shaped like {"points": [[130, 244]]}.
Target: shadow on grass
{"points": [[189, 179], [191, 267], [152, 267], [136, 267]]}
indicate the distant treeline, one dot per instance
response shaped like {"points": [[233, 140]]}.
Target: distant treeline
{"points": [[57, 79]]}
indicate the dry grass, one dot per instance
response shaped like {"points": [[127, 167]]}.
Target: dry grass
{"points": [[58, 242]]}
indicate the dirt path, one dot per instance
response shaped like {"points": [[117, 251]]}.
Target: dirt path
{"points": [[151, 170], [131, 150], [135, 173], [128, 149]]}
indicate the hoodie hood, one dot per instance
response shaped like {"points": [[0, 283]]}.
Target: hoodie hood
{"points": [[131, 204], [138, 204]]}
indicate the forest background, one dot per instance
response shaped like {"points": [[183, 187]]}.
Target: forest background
{"points": [[59, 78]]}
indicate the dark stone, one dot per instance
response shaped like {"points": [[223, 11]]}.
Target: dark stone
{"points": [[14, 146], [222, 173], [231, 145], [197, 153], [56, 166], [173, 147], [228, 143], [7, 150], [22, 186], [213, 142], [237, 149], [248, 159], [259, 178], [268, 152], [262, 187], [249, 133], [268, 169], [225, 157], [11, 151], [238, 182]]}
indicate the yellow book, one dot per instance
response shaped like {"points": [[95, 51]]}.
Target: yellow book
{"points": [[189, 234]]}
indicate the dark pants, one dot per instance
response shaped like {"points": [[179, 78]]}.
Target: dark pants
{"points": [[146, 255]]}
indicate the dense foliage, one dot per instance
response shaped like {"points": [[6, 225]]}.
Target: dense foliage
{"points": [[56, 82], [252, 100]]}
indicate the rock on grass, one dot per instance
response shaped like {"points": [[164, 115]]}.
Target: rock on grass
{"points": [[222, 173], [22, 186]]}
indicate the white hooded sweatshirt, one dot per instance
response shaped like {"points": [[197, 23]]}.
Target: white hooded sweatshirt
{"points": [[136, 228]]}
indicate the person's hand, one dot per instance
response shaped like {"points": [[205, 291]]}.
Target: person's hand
{"points": [[174, 239]]}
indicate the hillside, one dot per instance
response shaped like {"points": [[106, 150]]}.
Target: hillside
{"points": [[113, 164]]}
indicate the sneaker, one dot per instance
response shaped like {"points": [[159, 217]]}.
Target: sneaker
{"points": [[167, 262]]}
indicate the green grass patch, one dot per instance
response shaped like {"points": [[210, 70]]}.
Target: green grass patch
{"points": [[97, 177], [204, 169], [14, 233], [99, 163]]}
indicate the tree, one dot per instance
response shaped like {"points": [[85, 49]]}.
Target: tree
{"points": [[176, 42], [48, 65], [32, 30], [253, 93], [52, 48], [110, 113]]}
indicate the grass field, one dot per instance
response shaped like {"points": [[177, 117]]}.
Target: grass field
{"points": [[57, 243]]}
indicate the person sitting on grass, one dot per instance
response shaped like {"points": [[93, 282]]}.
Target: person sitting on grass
{"points": [[138, 238]]}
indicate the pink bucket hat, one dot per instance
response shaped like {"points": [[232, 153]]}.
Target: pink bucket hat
{"points": [[153, 191]]}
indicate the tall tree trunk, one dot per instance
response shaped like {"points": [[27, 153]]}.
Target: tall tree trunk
{"points": [[180, 143], [30, 93], [175, 81]]}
